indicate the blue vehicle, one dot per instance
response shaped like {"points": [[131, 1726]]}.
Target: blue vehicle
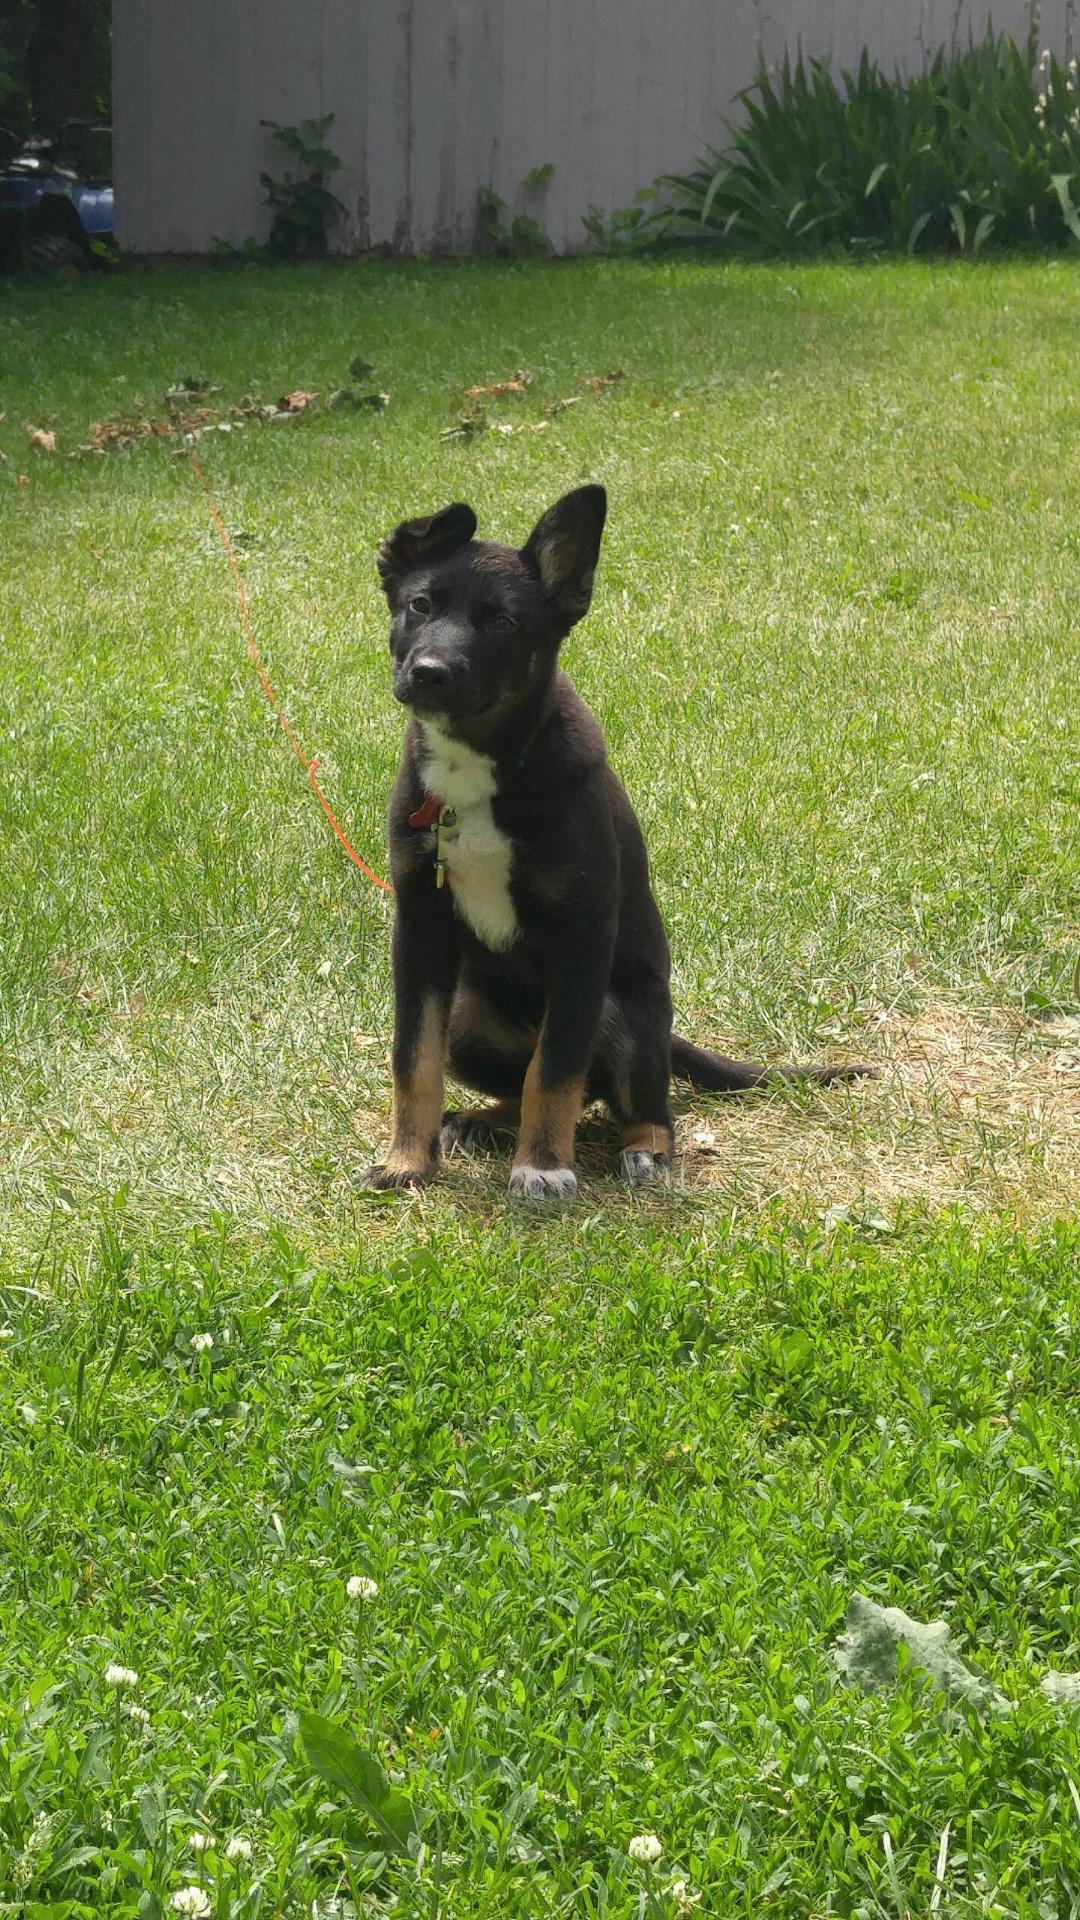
{"points": [[56, 199]]}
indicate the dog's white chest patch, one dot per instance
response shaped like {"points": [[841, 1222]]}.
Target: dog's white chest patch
{"points": [[477, 855]]}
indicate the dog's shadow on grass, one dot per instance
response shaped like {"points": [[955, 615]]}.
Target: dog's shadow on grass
{"points": [[476, 1177]]}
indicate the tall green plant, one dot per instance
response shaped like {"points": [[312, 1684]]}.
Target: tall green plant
{"points": [[981, 146], [303, 206]]}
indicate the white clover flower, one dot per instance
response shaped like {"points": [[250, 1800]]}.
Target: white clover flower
{"points": [[201, 1842], [191, 1900], [201, 1342], [685, 1900], [138, 1714], [645, 1848], [239, 1848], [361, 1588], [121, 1676]]}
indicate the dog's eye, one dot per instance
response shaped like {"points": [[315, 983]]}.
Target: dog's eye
{"points": [[420, 603], [504, 623]]}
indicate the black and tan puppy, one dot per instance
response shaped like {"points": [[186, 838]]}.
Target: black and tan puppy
{"points": [[529, 954]]}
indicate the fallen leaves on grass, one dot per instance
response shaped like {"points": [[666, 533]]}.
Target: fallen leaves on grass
{"points": [[344, 397], [109, 436], [187, 387], [517, 383], [42, 438], [297, 402], [475, 421], [119, 435], [467, 426]]}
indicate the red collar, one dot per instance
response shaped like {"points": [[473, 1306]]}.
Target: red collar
{"points": [[428, 814]]}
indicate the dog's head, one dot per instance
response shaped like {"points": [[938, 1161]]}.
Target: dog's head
{"points": [[476, 627]]}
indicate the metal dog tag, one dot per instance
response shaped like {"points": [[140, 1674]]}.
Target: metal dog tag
{"points": [[444, 831]]}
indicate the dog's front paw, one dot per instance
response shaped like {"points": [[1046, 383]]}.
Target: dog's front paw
{"points": [[383, 1179], [542, 1183], [644, 1169]]}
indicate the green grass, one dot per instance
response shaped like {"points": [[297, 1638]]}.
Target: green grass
{"points": [[626, 1466], [615, 1492]]}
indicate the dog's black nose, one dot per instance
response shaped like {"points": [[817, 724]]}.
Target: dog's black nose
{"points": [[429, 675]]}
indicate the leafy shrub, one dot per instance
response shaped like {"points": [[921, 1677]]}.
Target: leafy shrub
{"points": [[982, 146], [524, 235], [303, 209]]}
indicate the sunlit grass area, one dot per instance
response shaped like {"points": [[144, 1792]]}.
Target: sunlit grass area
{"points": [[615, 1476]]}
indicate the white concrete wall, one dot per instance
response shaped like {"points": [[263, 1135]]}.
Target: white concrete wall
{"points": [[435, 99]]}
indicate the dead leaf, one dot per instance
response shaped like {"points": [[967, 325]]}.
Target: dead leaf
{"points": [[559, 406], [191, 384], [22, 479], [296, 402], [517, 383], [42, 439], [467, 427], [597, 380], [106, 436], [524, 426]]}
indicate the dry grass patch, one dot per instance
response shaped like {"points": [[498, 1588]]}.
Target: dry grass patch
{"points": [[266, 1112], [974, 1104]]}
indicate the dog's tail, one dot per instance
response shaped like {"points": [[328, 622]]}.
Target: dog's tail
{"points": [[717, 1074]]}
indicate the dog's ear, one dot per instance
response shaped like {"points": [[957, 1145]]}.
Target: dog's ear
{"points": [[417, 542], [563, 549]]}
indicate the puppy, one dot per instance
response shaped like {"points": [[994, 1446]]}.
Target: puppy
{"points": [[528, 950]]}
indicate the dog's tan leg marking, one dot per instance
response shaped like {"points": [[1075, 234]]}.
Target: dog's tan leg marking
{"points": [[643, 1138], [545, 1149], [418, 1097], [646, 1153]]}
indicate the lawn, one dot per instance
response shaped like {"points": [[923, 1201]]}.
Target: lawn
{"points": [[615, 1475]]}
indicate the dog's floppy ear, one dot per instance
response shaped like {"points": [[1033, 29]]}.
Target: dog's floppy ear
{"points": [[416, 542], [563, 549]]}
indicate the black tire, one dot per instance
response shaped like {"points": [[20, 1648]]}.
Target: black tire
{"points": [[51, 252]]}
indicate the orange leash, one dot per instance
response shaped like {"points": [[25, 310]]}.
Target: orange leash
{"points": [[307, 760]]}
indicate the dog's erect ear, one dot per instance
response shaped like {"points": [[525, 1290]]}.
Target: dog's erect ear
{"points": [[563, 548], [417, 542]]}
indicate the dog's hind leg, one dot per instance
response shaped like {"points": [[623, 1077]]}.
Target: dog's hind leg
{"points": [[489, 1054], [479, 1129]]}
